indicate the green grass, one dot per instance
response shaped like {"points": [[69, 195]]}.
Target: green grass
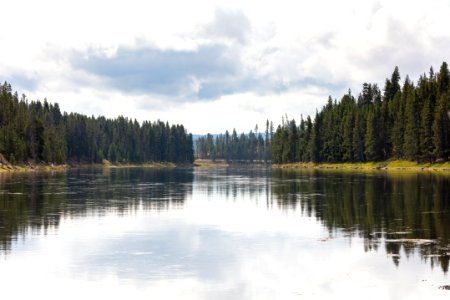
{"points": [[208, 163], [58, 168], [34, 168], [149, 165], [384, 165]]}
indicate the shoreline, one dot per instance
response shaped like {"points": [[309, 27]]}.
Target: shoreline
{"points": [[147, 165], [223, 163], [31, 168], [396, 165], [21, 168], [209, 163]]}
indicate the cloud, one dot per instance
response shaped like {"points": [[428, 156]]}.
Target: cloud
{"points": [[144, 69], [208, 71], [230, 25], [162, 60], [205, 73], [228, 57], [22, 82], [405, 46]]}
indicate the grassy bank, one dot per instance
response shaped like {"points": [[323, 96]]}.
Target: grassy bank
{"points": [[32, 168], [149, 165], [208, 163], [385, 165], [21, 168], [396, 165]]}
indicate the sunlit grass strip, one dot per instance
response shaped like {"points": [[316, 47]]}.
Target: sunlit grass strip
{"points": [[59, 168], [35, 168], [149, 165], [208, 163], [385, 165]]}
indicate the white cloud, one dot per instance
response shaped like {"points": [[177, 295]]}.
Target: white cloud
{"points": [[284, 49]]}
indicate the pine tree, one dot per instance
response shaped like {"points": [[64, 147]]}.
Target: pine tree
{"points": [[426, 95], [358, 137], [397, 133], [301, 148], [371, 138], [292, 142], [411, 134], [347, 127], [441, 128], [393, 85], [443, 79], [314, 144], [308, 136]]}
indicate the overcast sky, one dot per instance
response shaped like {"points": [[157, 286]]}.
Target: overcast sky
{"points": [[213, 65]]}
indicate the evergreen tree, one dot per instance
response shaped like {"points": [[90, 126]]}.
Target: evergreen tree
{"points": [[441, 128], [308, 136], [371, 146], [392, 86], [37, 131], [358, 137], [314, 144], [411, 134], [397, 133]]}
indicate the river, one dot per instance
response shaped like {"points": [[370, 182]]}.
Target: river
{"points": [[224, 233]]}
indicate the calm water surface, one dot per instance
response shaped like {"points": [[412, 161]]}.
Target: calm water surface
{"points": [[237, 233]]}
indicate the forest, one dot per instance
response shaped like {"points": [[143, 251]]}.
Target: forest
{"points": [[253, 146], [405, 122], [35, 132]]}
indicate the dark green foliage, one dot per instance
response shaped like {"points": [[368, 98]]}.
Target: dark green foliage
{"points": [[440, 128], [35, 131], [392, 86], [406, 122], [348, 127], [358, 137], [412, 115], [251, 146], [427, 97], [371, 147]]}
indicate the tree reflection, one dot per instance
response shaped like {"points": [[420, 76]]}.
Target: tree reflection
{"points": [[234, 183], [407, 212], [37, 202], [403, 214]]}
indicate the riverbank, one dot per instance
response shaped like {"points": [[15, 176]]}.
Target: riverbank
{"points": [[206, 163], [209, 163], [397, 165], [9, 168], [147, 165], [22, 168]]}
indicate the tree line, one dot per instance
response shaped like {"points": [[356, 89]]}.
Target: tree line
{"points": [[38, 132], [409, 121], [254, 146]]}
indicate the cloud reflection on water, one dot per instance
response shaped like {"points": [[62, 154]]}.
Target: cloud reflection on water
{"points": [[245, 234]]}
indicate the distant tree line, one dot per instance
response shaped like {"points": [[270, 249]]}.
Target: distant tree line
{"points": [[408, 122], [252, 146], [38, 131]]}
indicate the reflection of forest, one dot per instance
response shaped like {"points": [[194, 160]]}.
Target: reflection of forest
{"points": [[39, 201], [407, 212], [251, 181]]}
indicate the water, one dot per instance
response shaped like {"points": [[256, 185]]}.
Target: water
{"points": [[238, 233]]}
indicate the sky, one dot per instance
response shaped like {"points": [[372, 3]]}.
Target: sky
{"points": [[214, 65]]}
